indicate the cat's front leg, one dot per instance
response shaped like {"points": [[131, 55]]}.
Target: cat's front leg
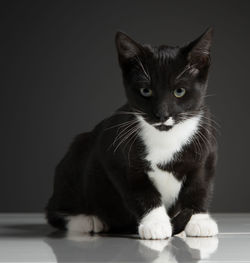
{"points": [[155, 224], [145, 203], [196, 196]]}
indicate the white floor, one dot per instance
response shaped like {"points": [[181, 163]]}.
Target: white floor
{"points": [[27, 238]]}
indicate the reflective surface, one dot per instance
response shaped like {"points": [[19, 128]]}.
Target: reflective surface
{"points": [[27, 238]]}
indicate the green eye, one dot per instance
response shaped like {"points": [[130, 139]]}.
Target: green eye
{"points": [[179, 92], [146, 92]]}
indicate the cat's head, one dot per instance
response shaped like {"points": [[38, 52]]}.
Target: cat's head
{"points": [[165, 83]]}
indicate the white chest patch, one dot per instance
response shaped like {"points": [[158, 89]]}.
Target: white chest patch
{"points": [[167, 185], [161, 147]]}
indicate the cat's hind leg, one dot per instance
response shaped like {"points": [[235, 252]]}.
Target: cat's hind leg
{"points": [[85, 224]]}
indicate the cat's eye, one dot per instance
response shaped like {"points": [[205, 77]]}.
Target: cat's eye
{"points": [[146, 92], [179, 92]]}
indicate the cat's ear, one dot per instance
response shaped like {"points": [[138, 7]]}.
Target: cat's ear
{"points": [[198, 51], [127, 48]]}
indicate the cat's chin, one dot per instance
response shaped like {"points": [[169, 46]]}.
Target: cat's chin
{"points": [[163, 127]]}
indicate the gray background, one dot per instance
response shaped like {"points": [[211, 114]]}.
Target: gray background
{"points": [[60, 76]]}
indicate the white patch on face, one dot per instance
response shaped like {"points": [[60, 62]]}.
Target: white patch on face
{"points": [[162, 145], [169, 122], [84, 224], [168, 186], [155, 225], [201, 225]]}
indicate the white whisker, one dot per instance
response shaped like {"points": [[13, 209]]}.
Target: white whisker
{"points": [[142, 67], [125, 137]]}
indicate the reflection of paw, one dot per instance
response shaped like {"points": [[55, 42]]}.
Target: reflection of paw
{"points": [[206, 246], [201, 225], [157, 245], [81, 237], [155, 225], [181, 234]]}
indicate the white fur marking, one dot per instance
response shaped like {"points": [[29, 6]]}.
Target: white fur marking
{"points": [[168, 186], [201, 225], [84, 224], [155, 225], [161, 147], [169, 121]]}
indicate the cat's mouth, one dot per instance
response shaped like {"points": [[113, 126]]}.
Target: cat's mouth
{"points": [[164, 126]]}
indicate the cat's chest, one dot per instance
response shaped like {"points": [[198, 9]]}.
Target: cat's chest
{"points": [[165, 182], [162, 148]]}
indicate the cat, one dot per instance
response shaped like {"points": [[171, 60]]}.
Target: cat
{"points": [[149, 168]]}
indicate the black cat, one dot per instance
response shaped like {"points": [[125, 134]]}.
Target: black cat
{"points": [[148, 168]]}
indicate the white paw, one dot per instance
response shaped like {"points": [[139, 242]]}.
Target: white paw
{"points": [[85, 224], [201, 225], [98, 226], [155, 225], [155, 230], [181, 235]]}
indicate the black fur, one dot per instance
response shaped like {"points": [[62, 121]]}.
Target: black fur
{"points": [[107, 177]]}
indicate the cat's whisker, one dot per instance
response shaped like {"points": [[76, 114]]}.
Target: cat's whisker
{"points": [[189, 114], [204, 137], [118, 132], [119, 125], [123, 128], [211, 126], [137, 128], [208, 131], [133, 137], [208, 121], [138, 111], [136, 135], [208, 95], [205, 124], [212, 120], [197, 146], [205, 142], [125, 137], [124, 131], [182, 72], [143, 69], [128, 112]]}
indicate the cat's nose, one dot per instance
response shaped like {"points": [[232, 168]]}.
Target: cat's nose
{"points": [[162, 117]]}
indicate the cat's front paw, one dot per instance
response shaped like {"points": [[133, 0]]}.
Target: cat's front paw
{"points": [[156, 225], [155, 230], [201, 225]]}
